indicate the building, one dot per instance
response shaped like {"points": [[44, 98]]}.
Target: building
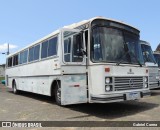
{"points": [[2, 70], [158, 48]]}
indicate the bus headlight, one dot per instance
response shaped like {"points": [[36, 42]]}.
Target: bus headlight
{"points": [[146, 85], [145, 79], [108, 88], [108, 80]]}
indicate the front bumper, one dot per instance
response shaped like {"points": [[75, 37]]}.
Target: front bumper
{"points": [[153, 85], [108, 98]]}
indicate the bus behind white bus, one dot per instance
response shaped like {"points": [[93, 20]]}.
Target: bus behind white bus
{"points": [[151, 63], [157, 58], [94, 61]]}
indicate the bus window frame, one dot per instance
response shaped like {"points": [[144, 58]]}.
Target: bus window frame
{"points": [[77, 31]]}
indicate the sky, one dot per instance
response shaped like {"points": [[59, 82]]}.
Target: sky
{"points": [[25, 21]]}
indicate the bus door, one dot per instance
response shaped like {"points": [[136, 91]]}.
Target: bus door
{"points": [[74, 79]]}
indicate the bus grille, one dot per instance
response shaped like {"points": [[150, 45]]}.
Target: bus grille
{"points": [[128, 83], [152, 77]]}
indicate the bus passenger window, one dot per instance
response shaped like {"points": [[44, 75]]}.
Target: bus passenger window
{"points": [[36, 52], [21, 58], [10, 62], [31, 53], [15, 60], [44, 49], [52, 47], [25, 56]]}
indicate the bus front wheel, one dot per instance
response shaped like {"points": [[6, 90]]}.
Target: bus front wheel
{"points": [[58, 94]]}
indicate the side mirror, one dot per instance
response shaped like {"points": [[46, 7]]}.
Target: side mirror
{"points": [[83, 51], [146, 53]]}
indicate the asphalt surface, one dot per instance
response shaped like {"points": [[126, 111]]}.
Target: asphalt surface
{"points": [[33, 107]]}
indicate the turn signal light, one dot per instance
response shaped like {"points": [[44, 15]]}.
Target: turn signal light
{"points": [[107, 69]]}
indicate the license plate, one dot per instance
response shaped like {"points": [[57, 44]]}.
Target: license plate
{"points": [[133, 96]]}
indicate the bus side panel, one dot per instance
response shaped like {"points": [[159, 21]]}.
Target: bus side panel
{"points": [[73, 89], [39, 85], [21, 84], [10, 82]]}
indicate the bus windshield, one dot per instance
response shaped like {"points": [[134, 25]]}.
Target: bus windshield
{"points": [[147, 53], [112, 44], [157, 58]]}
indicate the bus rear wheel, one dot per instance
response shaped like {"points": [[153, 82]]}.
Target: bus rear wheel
{"points": [[58, 94]]}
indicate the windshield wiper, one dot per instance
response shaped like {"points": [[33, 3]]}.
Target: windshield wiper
{"points": [[136, 58], [128, 52]]}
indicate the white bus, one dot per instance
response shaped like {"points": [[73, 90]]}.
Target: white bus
{"points": [[157, 58], [151, 63], [86, 62]]}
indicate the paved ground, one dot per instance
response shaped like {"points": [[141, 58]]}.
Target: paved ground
{"points": [[33, 107]]}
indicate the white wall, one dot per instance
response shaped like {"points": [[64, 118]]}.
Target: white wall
{"points": [[2, 70]]}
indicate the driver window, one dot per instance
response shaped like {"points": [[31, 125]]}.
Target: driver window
{"points": [[67, 49], [77, 48], [73, 47]]}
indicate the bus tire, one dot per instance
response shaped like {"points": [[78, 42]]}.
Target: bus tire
{"points": [[57, 94], [15, 91]]}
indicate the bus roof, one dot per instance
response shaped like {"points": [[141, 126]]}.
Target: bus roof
{"points": [[144, 42], [72, 26], [156, 52]]}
